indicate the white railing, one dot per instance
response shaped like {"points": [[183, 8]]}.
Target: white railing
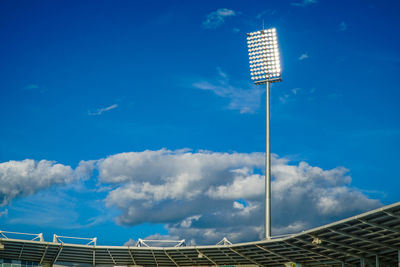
{"points": [[59, 239], [6, 235], [148, 242]]}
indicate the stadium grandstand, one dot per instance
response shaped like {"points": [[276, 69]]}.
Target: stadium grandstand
{"points": [[369, 239]]}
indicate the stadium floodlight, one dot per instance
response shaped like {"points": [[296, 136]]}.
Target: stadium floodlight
{"points": [[265, 68]]}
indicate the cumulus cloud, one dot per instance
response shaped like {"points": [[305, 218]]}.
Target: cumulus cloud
{"points": [[216, 18], [242, 95], [176, 180], [23, 178], [205, 196], [304, 3], [199, 196], [101, 110]]}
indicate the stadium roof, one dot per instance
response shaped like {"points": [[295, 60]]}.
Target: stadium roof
{"points": [[368, 237]]}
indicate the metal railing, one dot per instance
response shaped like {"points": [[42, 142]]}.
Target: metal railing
{"points": [[5, 234]]}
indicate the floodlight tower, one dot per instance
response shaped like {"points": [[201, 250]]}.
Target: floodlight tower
{"points": [[265, 68]]}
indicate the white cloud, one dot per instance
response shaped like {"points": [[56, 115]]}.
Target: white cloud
{"points": [[290, 95], [244, 185], [242, 95], [295, 90], [205, 196], [198, 196], [186, 223], [131, 242], [343, 26], [269, 12], [23, 178], [101, 110], [303, 56], [304, 3], [216, 18], [284, 98]]}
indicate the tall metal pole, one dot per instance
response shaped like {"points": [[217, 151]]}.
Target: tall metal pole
{"points": [[268, 169]]}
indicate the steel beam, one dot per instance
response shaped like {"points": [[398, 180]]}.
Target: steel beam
{"points": [[339, 251], [392, 214], [133, 258], [20, 253], [274, 253], [112, 258], [169, 256], [244, 256], [44, 253], [190, 259], [205, 256], [154, 256], [363, 239], [58, 254], [380, 226], [311, 251], [340, 244]]}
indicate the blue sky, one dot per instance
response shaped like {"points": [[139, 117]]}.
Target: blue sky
{"points": [[168, 84]]}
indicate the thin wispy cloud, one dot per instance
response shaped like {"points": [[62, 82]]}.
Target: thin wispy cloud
{"points": [[295, 90], [236, 30], [243, 97], [342, 26], [294, 94], [303, 56], [101, 110], [268, 12], [34, 88], [31, 87], [4, 213], [284, 98], [304, 3], [216, 18]]}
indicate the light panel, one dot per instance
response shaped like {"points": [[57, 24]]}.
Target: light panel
{"points": [[264, 57]]}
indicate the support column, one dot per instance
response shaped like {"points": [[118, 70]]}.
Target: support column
{"points": [[267, 167]]}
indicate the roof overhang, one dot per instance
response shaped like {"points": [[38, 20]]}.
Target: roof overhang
{"points": [[364, 237]]}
